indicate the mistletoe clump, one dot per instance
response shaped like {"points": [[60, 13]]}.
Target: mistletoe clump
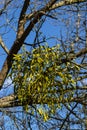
{"points": [[40, 77]]}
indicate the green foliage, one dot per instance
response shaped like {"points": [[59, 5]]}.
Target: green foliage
{"points": [[41, 78]]}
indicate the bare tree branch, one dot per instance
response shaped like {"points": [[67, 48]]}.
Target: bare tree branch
{"points": [[12, 101], [3, 46], [5, 6], [65, 2]]}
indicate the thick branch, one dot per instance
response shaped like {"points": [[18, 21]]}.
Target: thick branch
{"points": [[65, 2], [7, 101], [11, 101], [22, 20]]}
